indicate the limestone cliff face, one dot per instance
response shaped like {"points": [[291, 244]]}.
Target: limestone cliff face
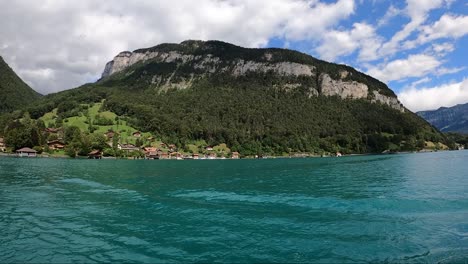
{"points": [[355, 90], [343, 89], [206, 63], [209, 63], [390, 101]]}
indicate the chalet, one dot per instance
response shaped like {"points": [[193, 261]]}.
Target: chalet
{"points": [[195, 156], [235, 155], [172, 147], [26, 152], [209, 148], [137, 134], [95, 154], [162, 145], [127, 147], [164, 155], [55, 145], [150, 149], [151, 153], [212, 156], [52, 130], [109, 134], [2, 145], [177, 156]]}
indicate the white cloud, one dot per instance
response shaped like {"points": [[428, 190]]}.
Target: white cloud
{"points": [[417, 11], [414, 66], [435, 97], [443, 48], [76, 38], [443, 70], [420, 81], [339, 43], [448, 26], [391, 13]]}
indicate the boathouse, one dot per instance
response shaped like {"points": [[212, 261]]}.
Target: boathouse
{"points": [[26, 152]]}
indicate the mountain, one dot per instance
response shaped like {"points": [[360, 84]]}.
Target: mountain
{"points": [[14, 92], [268, 101], [451, 119], [180, 66]]}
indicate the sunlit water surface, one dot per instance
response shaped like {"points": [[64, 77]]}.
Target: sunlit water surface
{"points": [[397, 208]]}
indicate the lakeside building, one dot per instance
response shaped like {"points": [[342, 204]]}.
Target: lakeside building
{"points": [[26, 152], [127, 147], [151, 152], [2, 145], [177, 156], [55, 145], [95, 154], [235, 155], [164, 155]]}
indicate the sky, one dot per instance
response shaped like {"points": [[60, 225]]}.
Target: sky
{"points": [[419, 48]]}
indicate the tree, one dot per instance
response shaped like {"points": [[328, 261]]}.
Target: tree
{"points": [[19, 134], [99, 142]]}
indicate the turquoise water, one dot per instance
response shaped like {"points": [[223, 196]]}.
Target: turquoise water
{"points": [[397, 208]]}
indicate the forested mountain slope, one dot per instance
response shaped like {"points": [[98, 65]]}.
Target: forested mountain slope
{"points": [[14, 93], [270, 101]]}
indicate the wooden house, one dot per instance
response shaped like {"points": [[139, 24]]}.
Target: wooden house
{"points": [[95, 154], [177, 156], [172, 147], [109, 134], [151, 153], [55, 145], [195, 156], [52, 130], [235, 155], [128, 147], [164, 155], [137, 134]]}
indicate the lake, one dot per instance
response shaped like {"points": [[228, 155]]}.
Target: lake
{"points": [[392, 208]]}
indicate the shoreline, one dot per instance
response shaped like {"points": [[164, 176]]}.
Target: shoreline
{"points": [[42, 156]]}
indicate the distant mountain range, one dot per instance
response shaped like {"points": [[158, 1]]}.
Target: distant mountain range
{"points": [[14, 93], [448, 119]]}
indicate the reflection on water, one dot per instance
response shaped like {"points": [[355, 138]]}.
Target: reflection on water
{"points": [[398, 208]]}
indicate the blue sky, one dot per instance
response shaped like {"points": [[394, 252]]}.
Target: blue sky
{"points": [[418, 47], [445, 56]]}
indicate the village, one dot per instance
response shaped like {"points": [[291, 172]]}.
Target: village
{"points": [[152, 150]]}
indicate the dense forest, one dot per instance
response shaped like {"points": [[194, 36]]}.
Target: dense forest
{"points": [[14, 93]]}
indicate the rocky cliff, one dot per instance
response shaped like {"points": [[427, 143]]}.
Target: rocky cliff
{"points": [[194, 60]]}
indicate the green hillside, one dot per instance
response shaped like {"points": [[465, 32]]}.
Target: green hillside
{"points": [[14, 93], [192, 92]]}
